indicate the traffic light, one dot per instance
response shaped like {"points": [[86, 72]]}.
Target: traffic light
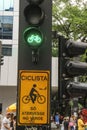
{"points": [[34, 16], [70, 67], [33, 36], [34, 55], [35, 29]]}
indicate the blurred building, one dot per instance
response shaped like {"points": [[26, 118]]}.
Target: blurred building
{"points": [[9, 15]]}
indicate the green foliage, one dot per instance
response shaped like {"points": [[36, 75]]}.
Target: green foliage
{"points": [[55, 52], [55, 48], [70, 20], [83, 59]]}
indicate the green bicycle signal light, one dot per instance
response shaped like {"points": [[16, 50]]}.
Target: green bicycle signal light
{"points": [[33, 37]]}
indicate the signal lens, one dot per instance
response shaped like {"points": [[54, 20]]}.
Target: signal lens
{"points": [[33, 37]]}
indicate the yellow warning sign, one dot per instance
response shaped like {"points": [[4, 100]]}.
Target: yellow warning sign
{"points": [[33, 97]]}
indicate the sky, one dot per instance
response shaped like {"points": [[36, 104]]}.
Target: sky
{"points": [[73, 1]]}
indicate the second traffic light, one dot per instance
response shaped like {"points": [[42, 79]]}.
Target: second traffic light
{"points": [[70, 67], [1, 60]]}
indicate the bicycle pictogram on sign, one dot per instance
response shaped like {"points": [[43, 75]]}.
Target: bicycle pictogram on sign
{"points": [[34, 96]]}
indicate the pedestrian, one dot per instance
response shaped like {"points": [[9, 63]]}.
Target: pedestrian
{"points": [[62, 125], [1, 118], [81, 125], [11, 121], [14, 123], [71, 124], [66, 123], [57, 119], [6, 122]]}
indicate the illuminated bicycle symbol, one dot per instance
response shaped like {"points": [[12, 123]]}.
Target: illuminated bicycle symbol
{"points": [[35, 38], [40, 99]]}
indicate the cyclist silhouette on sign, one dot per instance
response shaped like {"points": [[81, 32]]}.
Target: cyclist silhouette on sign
{"points": [[33, 93]]}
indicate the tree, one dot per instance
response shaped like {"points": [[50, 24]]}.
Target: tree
{"points": [[70, 18]]}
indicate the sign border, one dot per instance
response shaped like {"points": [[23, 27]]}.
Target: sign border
{"points": [[48, 96]]}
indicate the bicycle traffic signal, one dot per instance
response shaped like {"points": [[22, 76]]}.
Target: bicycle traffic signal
{"points": [[70, 67], [34, 16], [35, 30]]}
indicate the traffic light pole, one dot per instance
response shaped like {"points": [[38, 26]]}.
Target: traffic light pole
{"points": [[34, 64]]}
